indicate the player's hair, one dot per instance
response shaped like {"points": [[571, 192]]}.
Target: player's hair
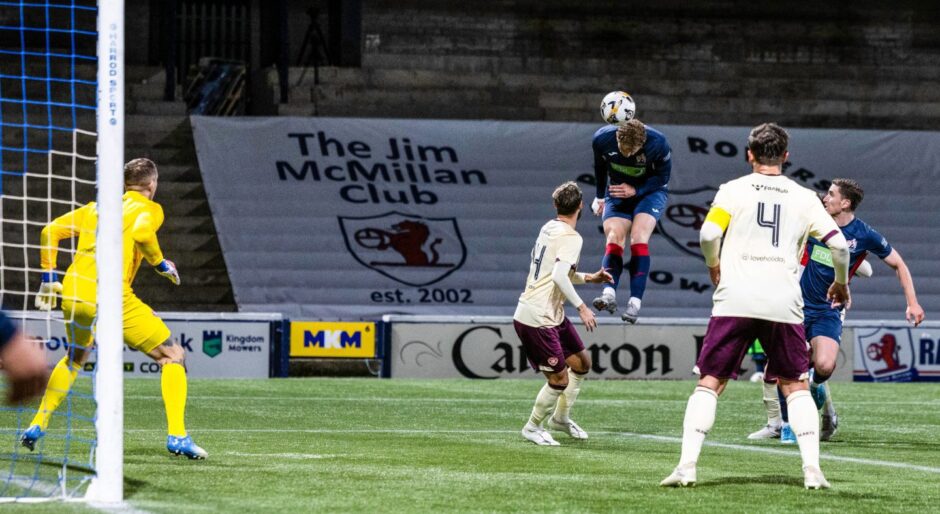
{"points": [[631, 136], [851, 191], [768, 144], [139, 172], [567, 198]]}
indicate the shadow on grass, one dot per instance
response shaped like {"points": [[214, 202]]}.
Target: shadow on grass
{"points": [[132, 485], [753, 479], [793, 481]]}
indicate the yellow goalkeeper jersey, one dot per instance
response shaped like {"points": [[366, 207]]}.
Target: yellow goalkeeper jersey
{"points": [[142, 220]]}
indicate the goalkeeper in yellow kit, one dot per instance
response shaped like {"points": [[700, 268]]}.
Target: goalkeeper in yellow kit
{"points": [[143, 330]]}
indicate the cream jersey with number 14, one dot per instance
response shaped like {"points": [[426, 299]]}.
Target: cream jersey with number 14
{"points": [[770, 219], [542, 302]]}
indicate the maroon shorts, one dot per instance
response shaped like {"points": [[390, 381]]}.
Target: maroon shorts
{"points": [[727, 339], [548, 347]]}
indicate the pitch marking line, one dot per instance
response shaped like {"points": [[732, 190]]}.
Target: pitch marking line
{"points": [[775, 451], [669, 439], [599, 401]]}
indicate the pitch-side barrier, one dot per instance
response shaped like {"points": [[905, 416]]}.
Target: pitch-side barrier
{"points": [[217, 345], [656, 348]]}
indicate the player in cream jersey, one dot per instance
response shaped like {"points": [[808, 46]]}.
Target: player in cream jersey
{"points": [[752, 241], [550, 341], [542, 302], [760, 258]]}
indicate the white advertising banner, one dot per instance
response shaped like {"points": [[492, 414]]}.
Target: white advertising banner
{"points": [[215, 347], [492, 350], [896, 353], [346, 219], [487, 347]]}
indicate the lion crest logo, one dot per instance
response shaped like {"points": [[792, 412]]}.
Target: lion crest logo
{"points": [[683, 219], [407, 248]]}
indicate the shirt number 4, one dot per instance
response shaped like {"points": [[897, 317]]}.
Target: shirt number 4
{"points": [[773, 223]]}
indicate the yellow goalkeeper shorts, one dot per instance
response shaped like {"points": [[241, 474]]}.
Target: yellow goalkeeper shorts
{"points": [[143, 330]]}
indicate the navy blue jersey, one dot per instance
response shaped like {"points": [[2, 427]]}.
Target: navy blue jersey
{"points": [[819, 274], [647, 170], [7, 329]]}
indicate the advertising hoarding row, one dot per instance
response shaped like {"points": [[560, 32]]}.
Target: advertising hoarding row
{"points": [[216, 345]]}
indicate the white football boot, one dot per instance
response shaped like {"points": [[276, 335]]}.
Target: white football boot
{"points": [[768, 432], [632, 312], [569, 427], [813, 478], [682, 476], [607, 301], [539, 436]]}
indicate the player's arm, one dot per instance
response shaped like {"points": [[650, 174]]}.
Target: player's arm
{"points": [[65, 226], [823, 228], [144, 233], [560, 276], [568, 252], [864, 269], [662, 170], [600, 171], [914, 312], [600, 180], [711, 233]]}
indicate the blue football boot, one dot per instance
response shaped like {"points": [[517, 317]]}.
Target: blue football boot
{"points": [[817, 391], [786, 434], [30, 436], [185, 446]]}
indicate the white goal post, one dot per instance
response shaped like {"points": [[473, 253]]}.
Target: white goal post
{"points": [[108, 485]]}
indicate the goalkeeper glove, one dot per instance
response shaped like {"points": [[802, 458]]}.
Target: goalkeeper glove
{"points": [[46, 298], [168, 270]]}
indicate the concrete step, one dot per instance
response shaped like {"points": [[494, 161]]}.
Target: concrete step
{"points": [[155, 106], [423, 110], [164, 156], [664, 68], [161, 123], [771, 86], [170, 190], [188, 225]]}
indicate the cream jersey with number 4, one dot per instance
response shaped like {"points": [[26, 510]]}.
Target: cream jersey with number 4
{"points": [[542, 302], [770, 219]]}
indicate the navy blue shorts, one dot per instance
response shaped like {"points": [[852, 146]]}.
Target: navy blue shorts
{"points": [[823, 322], [653, 203]]}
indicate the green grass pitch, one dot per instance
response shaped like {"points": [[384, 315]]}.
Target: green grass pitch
{"points": [[360, 445]]}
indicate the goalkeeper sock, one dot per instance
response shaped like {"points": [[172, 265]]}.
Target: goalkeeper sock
{"points": [[569, 395], [804, 418], [544, 404], [699, 418], [173, 385], [60, 381]]}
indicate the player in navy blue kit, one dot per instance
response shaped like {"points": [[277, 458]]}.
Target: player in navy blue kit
{"points": [[22, 361], [823, 324], [632, 164]]}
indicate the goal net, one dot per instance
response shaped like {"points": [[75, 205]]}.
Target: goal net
{"points": [[51, 162]]}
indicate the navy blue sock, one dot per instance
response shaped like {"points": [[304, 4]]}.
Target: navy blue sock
{"points": [[784, 414], [613, 262], [639, 269]]}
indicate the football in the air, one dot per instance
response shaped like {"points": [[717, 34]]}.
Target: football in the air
{"points": [[617, 108]]}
